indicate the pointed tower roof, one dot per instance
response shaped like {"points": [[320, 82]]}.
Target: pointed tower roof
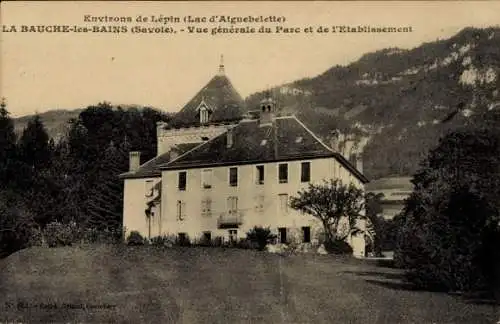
{"points": [[221, 99]]}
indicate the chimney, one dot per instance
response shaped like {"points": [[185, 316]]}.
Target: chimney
{"points": [[134, 160], [267, 111], [160, 132], [348, 148], [334, 140], [229, 138]]}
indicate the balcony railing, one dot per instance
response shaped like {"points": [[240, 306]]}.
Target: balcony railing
{"points": [[230, 219]]}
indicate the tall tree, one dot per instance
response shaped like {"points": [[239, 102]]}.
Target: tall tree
{"points": [[34, 145], [7, 145], [105, 203], [375, 221], [332, 202]]}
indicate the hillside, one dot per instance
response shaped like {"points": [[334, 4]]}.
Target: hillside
{"points": [[399, 98], [55, 121]]}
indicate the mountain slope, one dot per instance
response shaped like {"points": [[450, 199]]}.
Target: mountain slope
{"points": [[55, 121], [399, 98]]}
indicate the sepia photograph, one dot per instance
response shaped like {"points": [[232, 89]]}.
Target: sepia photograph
{"points": [[250, 162]]}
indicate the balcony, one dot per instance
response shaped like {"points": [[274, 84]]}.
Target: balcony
{"points": [[230, 219]]}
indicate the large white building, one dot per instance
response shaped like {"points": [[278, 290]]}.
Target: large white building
{"points": [[221, 170]]}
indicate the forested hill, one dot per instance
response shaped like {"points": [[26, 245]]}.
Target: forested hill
{"points": [[55, 121], [399, 97]]}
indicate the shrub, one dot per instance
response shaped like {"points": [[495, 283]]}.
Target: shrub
{"points": [[163, 240], [60, 234], [102, 236], [135, 238], [36, 238], [218, 241], [246, 244], [338, 247], [17, 225], [183, 240], [260, 236]]}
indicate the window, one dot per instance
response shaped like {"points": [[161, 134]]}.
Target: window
{"points": [[233, 235], [206, 207], [233, 177], [232, 205], [283, 198], [207, 236], [283, 173], [259, 203], [203, 115], [181, 210], [149, 188], [182, 180], [305, 172], [282, 235], [183, 239], [259, 174], [206, 179], [306, 234]]}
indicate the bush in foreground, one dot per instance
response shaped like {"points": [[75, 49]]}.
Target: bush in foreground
{"points": [[261, 237], [59, 234], [338, 247], [135, 238]]}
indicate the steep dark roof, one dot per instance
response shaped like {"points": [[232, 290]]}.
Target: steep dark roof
{"points": [[224, 102], [151, 168], [287, 139]]}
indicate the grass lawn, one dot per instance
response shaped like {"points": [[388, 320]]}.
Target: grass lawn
{"points": [[204, 285]]}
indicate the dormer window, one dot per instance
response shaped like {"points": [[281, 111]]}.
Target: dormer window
{"points": [[203, 115]]}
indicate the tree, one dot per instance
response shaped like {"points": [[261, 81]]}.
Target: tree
{"points": [[105, 203], [16, 223], [450, 231], [375, 222], [7, 146], [332, 202], [34, 145]]}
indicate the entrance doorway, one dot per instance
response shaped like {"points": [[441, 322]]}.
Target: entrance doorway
{"points": [[282, 233]]}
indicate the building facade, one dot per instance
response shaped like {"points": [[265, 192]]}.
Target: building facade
{"points": [[221, 170]]}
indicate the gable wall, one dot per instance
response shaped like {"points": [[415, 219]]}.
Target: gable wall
{"points": [[167, 138], [134, 206]]}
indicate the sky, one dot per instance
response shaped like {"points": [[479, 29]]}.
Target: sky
{"points": [[45, 71]]}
